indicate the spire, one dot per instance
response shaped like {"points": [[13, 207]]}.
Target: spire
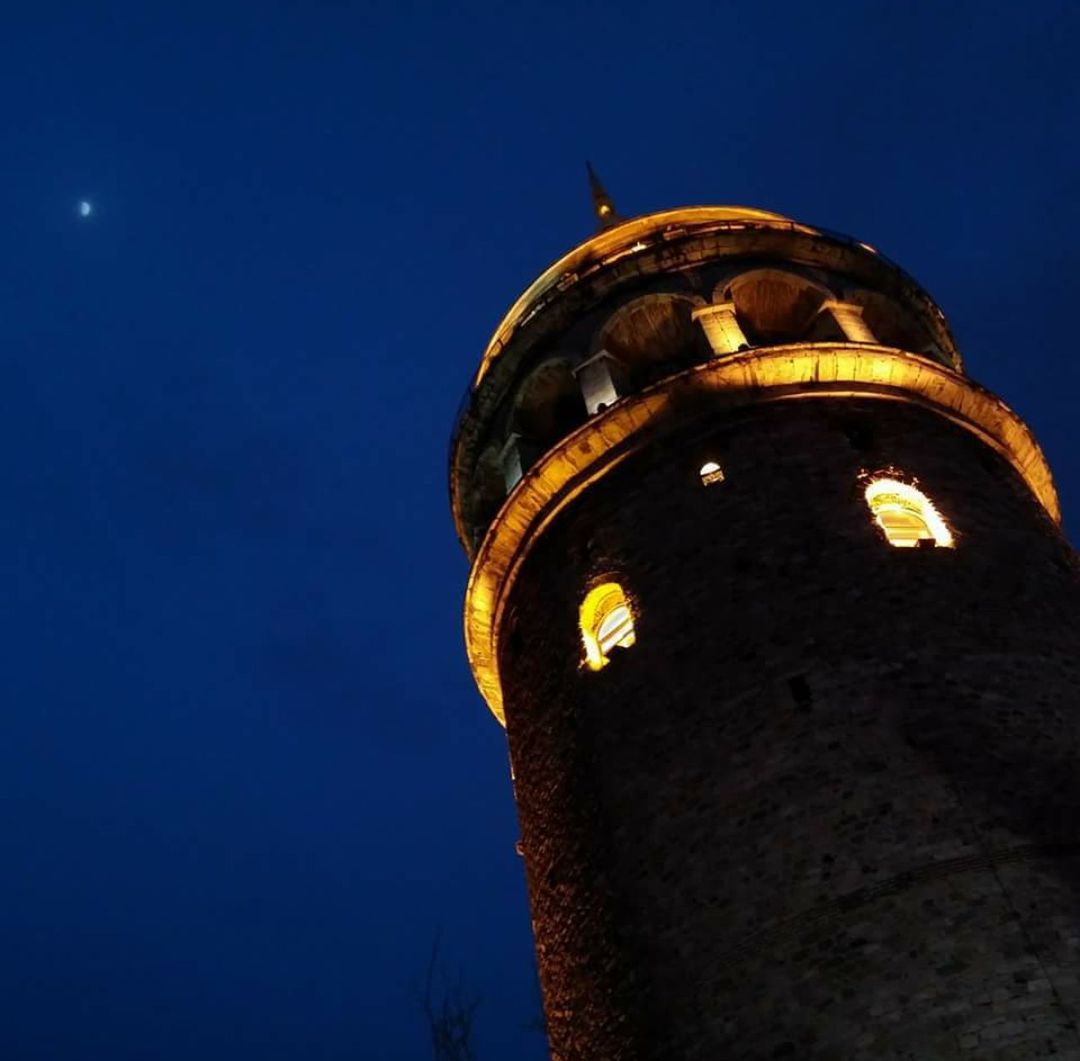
{"points": [[603, 206]]}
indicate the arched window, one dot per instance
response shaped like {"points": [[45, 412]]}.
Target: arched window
{"points": [[652, 331], [906, 515], [773, 305], [710, 473], [606, 622]]}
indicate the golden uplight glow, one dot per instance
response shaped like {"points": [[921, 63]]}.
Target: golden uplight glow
{"points": [[606, 622], [711, 472], [800, 372], [906, 515], [614, 242]]}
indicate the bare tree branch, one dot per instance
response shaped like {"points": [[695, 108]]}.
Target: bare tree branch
{"points": [[449, 1008]]}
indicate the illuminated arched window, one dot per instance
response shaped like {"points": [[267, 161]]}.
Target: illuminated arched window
{"points": [[711, 472], [906, 515], [606, 622]]}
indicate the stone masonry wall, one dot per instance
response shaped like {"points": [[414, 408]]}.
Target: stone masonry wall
{"points": [[828, 806]]}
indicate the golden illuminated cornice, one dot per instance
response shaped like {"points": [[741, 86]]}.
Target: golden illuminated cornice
{"points": [[611, 243], [631, 256], [801, 371]]}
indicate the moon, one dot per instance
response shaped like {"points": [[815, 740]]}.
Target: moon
{"points": [[85, 209]]}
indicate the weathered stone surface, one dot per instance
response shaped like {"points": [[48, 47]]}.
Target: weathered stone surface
{"points": [[828, 805]]}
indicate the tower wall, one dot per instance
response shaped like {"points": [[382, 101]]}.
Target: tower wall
{"points": [[826, 806]]}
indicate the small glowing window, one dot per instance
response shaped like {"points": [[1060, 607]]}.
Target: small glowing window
{"points": [[906, 515], [606, 622], [711, 472]]}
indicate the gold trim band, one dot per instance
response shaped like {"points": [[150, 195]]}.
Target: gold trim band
{"points": [[805, 370]]}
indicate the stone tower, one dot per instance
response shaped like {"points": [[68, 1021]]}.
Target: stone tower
{"points": [[774, 604]]}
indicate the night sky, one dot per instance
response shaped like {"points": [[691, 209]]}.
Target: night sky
{"points": [[245, 776]]}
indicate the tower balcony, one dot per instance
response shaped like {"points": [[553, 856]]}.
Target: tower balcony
{"points": [[649, 298], [785, 372]]}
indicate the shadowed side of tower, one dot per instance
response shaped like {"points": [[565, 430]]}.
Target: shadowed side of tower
{"points": [[821, 802]]}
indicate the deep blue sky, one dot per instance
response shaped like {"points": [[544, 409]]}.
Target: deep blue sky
{"points": [[244, 773]]}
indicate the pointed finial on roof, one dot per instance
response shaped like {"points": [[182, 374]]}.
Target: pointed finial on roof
{"points": [[603, 206]]}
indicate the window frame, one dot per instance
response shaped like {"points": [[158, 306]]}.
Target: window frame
{"points": [[599, 634]]}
